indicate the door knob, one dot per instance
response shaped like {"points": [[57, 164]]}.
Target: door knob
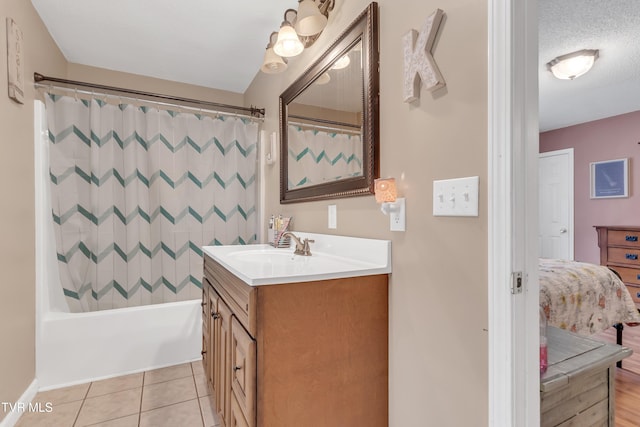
{"points": [[563, 230]]}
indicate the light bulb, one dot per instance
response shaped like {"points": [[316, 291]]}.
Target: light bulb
{"points": [[288, 43]]}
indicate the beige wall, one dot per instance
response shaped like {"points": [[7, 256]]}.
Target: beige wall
{"points": [[150, 84], [438, 291], [17, 217]]}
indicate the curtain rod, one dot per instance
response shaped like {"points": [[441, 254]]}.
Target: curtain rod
{"points": [[328, 122], [329, 128], [253, 111]]}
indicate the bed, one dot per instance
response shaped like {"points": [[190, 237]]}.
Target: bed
{"points": [[584, 298]]}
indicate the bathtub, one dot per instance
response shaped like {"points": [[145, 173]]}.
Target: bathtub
{"points": [[73, 348], [76, 348]]}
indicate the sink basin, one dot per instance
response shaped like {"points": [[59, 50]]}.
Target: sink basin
{"points": [[332, 257], [268, 256]]}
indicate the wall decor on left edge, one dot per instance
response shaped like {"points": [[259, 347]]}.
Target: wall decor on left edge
{"points": [[15, 69]]}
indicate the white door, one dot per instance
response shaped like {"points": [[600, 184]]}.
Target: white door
{"points": [[555, 181]]}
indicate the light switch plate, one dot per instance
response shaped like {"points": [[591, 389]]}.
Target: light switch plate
{"points": [[456, 197], [332, 217]]}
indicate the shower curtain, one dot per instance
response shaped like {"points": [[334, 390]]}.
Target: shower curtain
{"points": [[137, 191], [317, 156]]}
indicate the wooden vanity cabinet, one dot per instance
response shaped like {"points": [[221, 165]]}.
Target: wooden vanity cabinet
{"points": [[310, 354]]}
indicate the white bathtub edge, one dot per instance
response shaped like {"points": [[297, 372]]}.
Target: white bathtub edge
{"points": [[106, 377], [79, 348]]}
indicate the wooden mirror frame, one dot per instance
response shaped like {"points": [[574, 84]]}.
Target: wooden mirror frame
{"points": [[365, 28]]}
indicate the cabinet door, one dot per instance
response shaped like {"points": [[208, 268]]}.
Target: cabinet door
{"points": [[236, 418], [206, 346], [214, 327], [205, 307], [223, 355], [243, 363]]}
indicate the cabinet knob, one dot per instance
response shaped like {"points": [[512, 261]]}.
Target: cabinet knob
{"points": [[236, 368], [215, 315], [203, 303], [203, 352]]}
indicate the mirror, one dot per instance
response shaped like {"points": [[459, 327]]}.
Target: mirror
{"points": [[329, 119]]}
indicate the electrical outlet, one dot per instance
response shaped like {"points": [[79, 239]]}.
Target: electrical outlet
{"points": [[332, 217], [397, 215]]}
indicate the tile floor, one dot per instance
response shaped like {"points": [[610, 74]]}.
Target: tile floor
{"points": [[176, 396]]}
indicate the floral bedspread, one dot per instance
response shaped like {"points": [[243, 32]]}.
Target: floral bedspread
{"points": [[583, 298]]}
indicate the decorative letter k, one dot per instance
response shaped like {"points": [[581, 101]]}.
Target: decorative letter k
{"points": [[418, 61]]}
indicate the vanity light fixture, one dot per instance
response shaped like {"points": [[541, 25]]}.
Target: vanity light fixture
{"points": [[273, 63], [572, 65], [299, 30], [288, 43], [392, 205], [323, 79], [341, 63], [310, 19]]}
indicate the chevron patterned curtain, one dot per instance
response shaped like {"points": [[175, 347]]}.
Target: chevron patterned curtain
{"points": [[316, 156], [137, 191]]}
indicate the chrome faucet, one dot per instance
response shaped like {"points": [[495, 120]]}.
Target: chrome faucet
{"points": [[302, 246]]}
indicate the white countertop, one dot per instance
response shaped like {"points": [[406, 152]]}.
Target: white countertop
{"points": [[333, 257]]}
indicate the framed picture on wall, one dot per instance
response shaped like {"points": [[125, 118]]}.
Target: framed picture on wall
{"points": [[610, 179]]}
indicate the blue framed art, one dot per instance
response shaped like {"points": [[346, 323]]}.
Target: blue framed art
{"points": [[610, 179]]}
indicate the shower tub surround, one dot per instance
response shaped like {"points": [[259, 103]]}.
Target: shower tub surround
{"points": [[73, 348]]}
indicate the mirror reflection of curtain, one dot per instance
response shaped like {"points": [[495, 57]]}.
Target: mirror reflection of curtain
{"points": [[137, 191], [316, 157]]}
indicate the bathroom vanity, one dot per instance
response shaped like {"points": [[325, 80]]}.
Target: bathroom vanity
{"points": [[297, 341]]}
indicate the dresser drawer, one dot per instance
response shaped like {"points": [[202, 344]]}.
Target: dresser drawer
{"points": [[635, 293], [630, 238], [624, 256], [629, 275]]}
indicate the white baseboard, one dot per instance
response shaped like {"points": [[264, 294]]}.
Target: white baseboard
{"points": [[12, 417]]}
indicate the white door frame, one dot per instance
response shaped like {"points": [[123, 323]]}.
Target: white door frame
{"points": [[514, 398], [570, 223]]}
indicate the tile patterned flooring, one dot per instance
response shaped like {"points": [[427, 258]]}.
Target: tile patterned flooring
{"points": [[176, 396]]}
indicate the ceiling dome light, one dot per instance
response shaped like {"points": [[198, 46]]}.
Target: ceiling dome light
{"points": [[310, 21], [572, 65], [288, 43]]}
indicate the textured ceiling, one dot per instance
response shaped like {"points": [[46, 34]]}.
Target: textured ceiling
{"points": [[217, 44], [612, 86], [220, 44]]}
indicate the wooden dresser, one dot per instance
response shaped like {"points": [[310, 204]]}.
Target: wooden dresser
{"points": [[620, 251]]}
